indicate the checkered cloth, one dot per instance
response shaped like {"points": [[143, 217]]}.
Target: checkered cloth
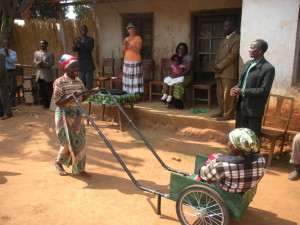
{"points": [[234, 174]]}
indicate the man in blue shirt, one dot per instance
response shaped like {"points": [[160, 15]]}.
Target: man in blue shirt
{"points": [[10, 60]]}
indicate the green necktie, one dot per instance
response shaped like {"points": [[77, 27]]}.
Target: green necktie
{"points": [[253, 63]]}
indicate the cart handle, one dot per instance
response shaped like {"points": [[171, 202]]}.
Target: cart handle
{"points": [[115, 153], [143, 138]]}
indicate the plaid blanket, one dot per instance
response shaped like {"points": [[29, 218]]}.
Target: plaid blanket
{"points": [[235, 174]]}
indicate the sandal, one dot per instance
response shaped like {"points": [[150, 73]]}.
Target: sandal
{"points": [[60, 169]]}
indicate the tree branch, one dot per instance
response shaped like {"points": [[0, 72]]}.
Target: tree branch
{"points": [[23, 6]]}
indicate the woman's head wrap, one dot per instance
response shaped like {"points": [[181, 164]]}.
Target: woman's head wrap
{"points": [[245, 140], [67, 60]]}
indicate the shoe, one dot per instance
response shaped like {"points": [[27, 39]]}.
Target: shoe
{"points": [[6, 116], [60, 169], [169, 99], [295, 174], [223, 118], [164, 97], [217, 115]]}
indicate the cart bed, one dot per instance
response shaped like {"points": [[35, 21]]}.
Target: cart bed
{"points": [[237, 203]]}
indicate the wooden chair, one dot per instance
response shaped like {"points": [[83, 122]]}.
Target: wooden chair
{"points": [[282, 114], [165, 64], [118, 79], [208, 87], [108, 71], [148, 66], [205, 68]]}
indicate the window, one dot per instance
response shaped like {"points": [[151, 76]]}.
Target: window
{"points": [[144, 24]]}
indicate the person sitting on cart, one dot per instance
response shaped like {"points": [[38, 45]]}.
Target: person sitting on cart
{"points": [[68, 118], [239, 171]]}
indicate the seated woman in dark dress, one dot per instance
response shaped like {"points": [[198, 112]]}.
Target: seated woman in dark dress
{"points": [[179, 88]]}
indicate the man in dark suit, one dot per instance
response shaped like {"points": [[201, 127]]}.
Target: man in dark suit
{"points": [[44, 61], [84, 45], [254, 88]]}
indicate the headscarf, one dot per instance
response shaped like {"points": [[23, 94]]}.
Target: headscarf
{"points": [[66, 60], [245, 140]]}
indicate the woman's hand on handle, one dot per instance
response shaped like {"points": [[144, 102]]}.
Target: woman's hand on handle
{"points": [[95, 90]]}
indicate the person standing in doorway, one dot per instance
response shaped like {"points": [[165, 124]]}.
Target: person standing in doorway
{"points": [[227, 71], [132, 80], [84, 45], [10, 60], [253, 88], [44, 61]]}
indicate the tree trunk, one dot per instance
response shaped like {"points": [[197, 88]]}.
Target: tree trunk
{"points": [[9, 10], [6, 28]]}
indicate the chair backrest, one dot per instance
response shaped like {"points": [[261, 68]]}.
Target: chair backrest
{"points": [[108, 67], [280, 113], [164, 66], [148, 66], [121, 65]]}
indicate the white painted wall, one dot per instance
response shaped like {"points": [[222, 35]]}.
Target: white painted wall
{"points": [[275, 21]]}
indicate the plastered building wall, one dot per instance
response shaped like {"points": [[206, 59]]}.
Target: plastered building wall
{"points": [[275, 21]]}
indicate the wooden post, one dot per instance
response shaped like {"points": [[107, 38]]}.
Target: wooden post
{"points": [[62, 30]]}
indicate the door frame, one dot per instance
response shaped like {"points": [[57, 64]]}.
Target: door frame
{"points": [[232, 12]]}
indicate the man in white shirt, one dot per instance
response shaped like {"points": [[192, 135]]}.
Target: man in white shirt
{"points": [[44, 61]]}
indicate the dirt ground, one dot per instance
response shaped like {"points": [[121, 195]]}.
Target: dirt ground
{"points": [[31, 191]]}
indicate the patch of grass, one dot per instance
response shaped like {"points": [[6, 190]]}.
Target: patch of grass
{"points": [[139, 142]]}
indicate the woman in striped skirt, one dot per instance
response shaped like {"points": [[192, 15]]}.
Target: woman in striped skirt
{"points": [[132, 80]]}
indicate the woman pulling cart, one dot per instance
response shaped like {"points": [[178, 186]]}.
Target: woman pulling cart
{"points": [[68, 118]]}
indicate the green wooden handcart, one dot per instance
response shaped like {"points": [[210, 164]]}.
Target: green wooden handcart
{"points": [[196, 202]]}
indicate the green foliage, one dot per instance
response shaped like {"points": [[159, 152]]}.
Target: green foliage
{"points": [[45, 11], [82, 11]]}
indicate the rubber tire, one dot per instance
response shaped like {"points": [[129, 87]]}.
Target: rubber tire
{"points": [[206, 192]]}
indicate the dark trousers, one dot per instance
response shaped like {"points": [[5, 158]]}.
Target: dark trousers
{"points": [[12, 85], [5, 104], [87, 79], [252, 123], [46, 90]]}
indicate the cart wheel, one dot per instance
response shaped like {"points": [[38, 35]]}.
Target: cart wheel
{"points": [[201, 205]]}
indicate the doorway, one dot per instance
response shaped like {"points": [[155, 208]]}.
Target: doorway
{"points": [[207, 29]]}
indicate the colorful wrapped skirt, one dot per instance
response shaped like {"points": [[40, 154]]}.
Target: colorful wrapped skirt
{"points": [[71, 134]]}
